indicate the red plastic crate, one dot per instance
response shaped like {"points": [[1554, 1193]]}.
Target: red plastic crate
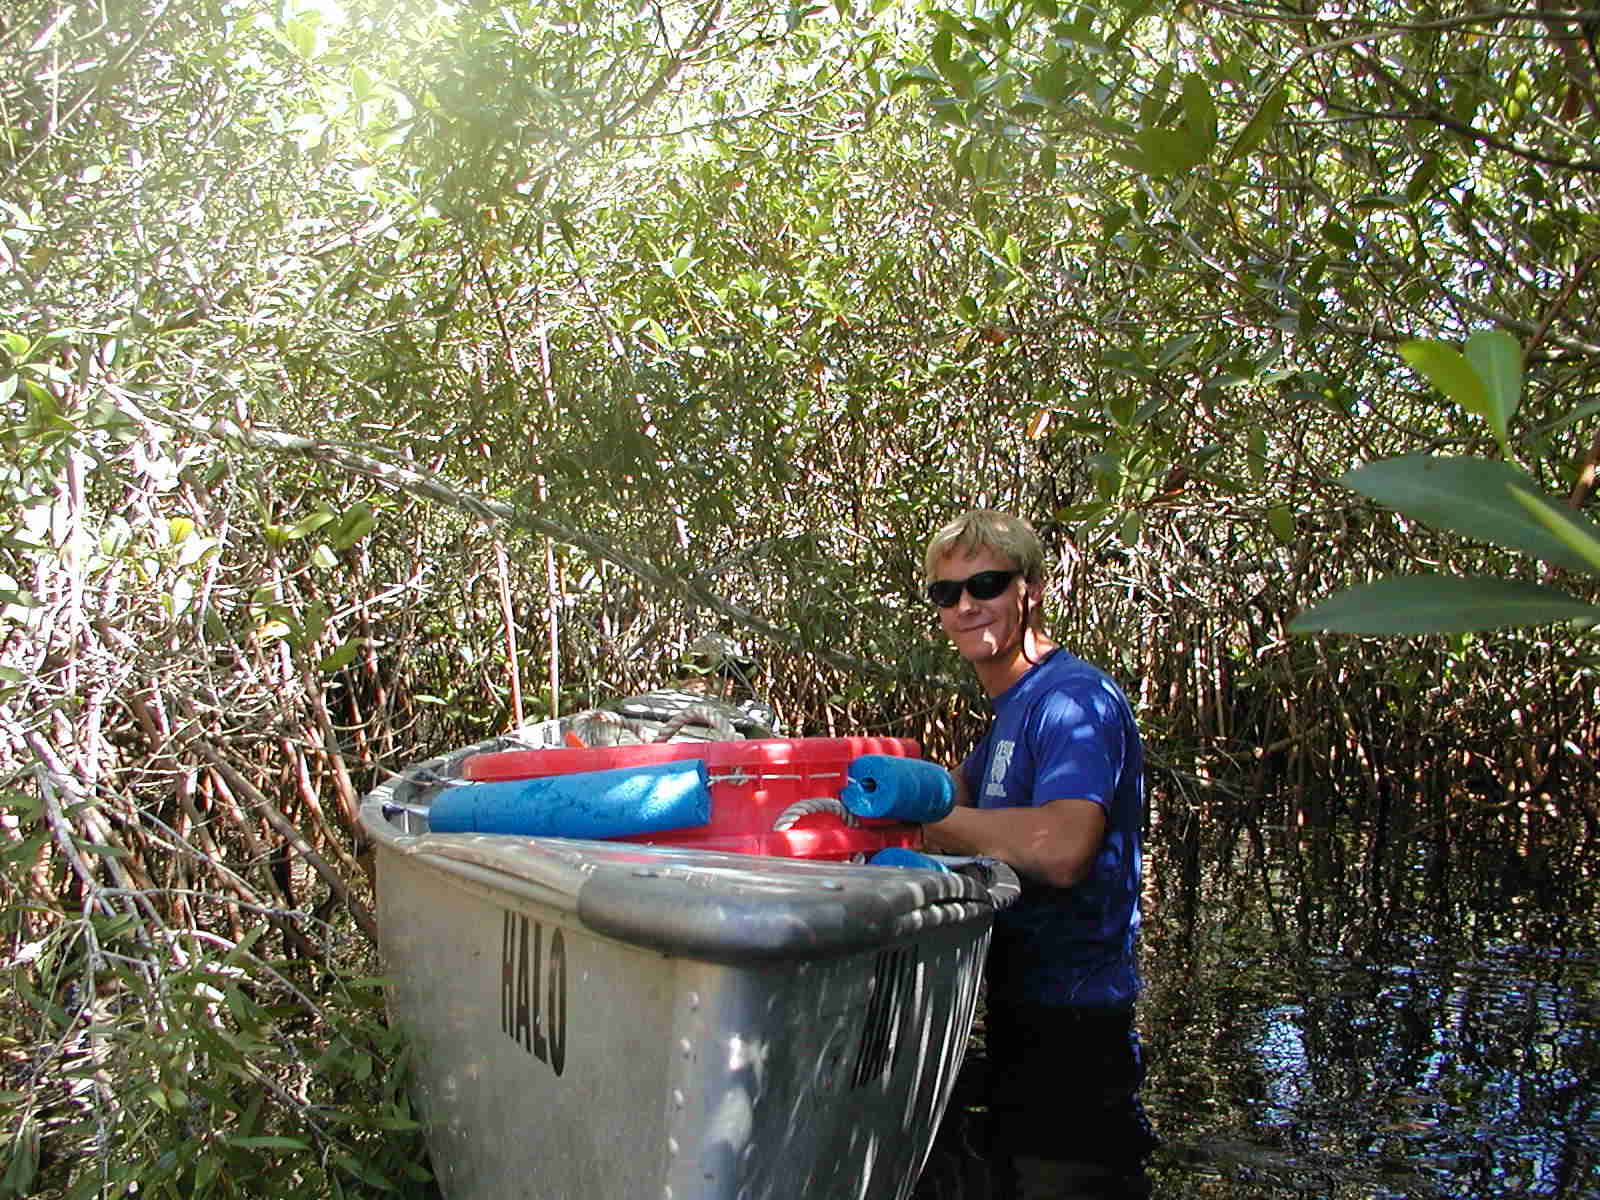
{"points": [[755, 786]]}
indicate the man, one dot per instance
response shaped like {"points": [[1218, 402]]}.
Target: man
{"points": [[1056, 789]]}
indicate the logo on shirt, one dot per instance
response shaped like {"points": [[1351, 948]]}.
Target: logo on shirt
{"points": [[999, 764]]}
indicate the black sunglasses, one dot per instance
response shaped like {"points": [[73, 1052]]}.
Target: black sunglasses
{"points": [[985, 585]]}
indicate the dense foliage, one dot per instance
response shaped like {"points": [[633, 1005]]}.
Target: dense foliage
{"points": [[373, 378]]}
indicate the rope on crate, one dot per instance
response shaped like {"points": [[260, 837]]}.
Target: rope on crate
{"points": [[817, 804], [700, 714]]}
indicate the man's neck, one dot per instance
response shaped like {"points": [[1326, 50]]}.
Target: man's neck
{"points": [[999, 674]]}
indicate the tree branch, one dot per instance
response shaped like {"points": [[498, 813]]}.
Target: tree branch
{"points": [[493, 512]]}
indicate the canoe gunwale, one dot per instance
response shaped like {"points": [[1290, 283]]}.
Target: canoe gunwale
{"points": [[707, 905]]}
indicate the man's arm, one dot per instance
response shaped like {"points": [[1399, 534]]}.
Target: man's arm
{"points": [[1054, 843], [963, 792]]}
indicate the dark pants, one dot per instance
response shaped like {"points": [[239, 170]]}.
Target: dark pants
{"points": [[1049, 1110], [1063, 1101]]}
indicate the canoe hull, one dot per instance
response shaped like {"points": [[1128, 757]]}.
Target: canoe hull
{"points": [[607, 1021], [553, 1062]]}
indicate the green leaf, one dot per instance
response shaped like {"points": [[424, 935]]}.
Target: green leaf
{"points": [[242, 947], [1474, 497], [1254, 133], [309, 524], [361, 1170], [1155, 99], [1339, 234], [355, 525], [1449, 371], [1256, 458], [1497, 358], [1176, 348], [1280, 519], [238, 1005], [912, 77], [24, 1164], [1422, 178], [1051, 82], [1417, 604], [1170, 151], [395, 1124], [267, 1143], [301, 34], [314, 621], [1577, 414], [1199, 110], [196, 548], [955, 72], [1580, 535], [205, 1171]]}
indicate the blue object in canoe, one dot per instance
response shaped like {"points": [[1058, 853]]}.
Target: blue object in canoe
{"points": [[587, 804], [902, 789], [902, 856]]}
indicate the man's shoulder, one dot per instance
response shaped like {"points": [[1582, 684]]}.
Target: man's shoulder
{"points": [[1065, 671], [1069, 687]]}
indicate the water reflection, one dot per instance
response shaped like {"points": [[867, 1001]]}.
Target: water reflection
{"points": [[1336, 1014]]}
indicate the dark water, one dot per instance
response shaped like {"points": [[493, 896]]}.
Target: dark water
{"points": [[1368, 1014]]}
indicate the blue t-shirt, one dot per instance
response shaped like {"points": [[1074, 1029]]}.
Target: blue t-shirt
{"points": [[1065, 730]]}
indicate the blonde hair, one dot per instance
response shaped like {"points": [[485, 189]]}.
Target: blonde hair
{"points": [[985, 529]]}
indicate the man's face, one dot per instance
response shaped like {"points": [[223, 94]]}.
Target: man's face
{"points": [[982, 630]]}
